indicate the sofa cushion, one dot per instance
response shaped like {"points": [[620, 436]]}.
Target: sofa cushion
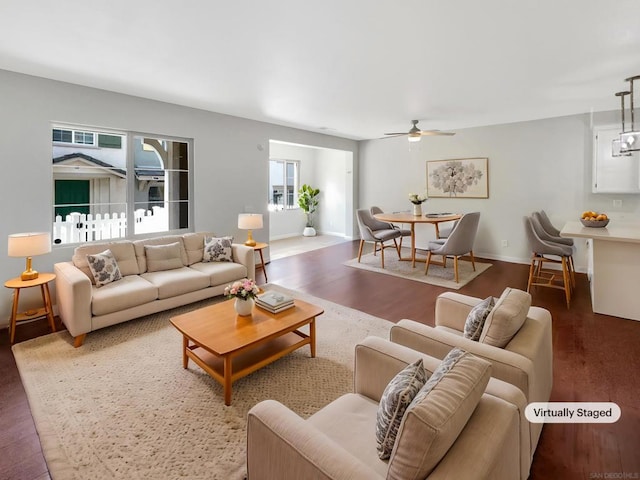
{"points": [[397, 396], [438, 414], [104, 268], [129, 292], [123, 252], [220, 273], [194, 246], [476, 318], [171, 283], [139, 245], [217, 249], [163, 257], [506, 318]]}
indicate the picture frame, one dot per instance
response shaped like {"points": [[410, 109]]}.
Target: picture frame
{"points": [[458, 178]]}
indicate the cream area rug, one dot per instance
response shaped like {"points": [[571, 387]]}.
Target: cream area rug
{"points": [[122, 407], [438, 275]]}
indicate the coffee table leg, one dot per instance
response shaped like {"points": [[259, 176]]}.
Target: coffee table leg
{"points": [[312, 337], [185, 346], [227, 380]]}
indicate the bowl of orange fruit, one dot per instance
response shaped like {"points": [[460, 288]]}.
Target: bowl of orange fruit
{"points": [[594, 219]]}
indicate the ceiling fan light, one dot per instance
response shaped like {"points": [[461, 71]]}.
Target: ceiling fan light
{"points": [[414, 137]]}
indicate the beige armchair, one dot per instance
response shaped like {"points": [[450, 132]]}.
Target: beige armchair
{"points": [[526, 361], [339, 441]]}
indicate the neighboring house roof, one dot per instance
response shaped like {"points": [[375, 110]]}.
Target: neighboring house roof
{"points": [[88, 158]]}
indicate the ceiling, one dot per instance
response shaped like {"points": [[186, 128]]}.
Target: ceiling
{"points": [[351, 68]]}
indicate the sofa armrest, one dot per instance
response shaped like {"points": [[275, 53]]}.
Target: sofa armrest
{"points": [[507, 366], [281, 445], [73, 296], [452, 309], [245, 256], [378, 360]]}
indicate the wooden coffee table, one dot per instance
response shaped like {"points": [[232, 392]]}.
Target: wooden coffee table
{"points": [[229, 347]]}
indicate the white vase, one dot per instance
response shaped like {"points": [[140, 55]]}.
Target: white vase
{"points": [[417, 209], [244, 307], [309, 232]]}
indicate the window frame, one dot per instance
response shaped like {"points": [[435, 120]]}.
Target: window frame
{"points": [[275, 207], [130, 203]]}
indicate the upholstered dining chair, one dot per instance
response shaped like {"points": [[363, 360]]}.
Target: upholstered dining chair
{"points": [[545, 252], [547, 232], [404, 231], [376, 232], [459, 243]]}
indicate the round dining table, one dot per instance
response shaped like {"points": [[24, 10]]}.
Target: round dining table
{"points": [[407, 217]]}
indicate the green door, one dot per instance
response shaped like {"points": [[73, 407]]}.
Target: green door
{"points": [[75, 194]]}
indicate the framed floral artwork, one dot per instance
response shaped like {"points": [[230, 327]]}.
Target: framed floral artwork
{"points": [[458, 178]]}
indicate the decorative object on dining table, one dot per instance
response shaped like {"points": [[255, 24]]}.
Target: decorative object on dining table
{"points": [[245, 292], [458, 178], [417, 201], [274, 302]]}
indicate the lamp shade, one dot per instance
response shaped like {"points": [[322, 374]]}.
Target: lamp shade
{"points": [[249, 221], [29, 244]]}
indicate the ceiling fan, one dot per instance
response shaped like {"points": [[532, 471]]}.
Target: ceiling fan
{"points": [[415, 133]]}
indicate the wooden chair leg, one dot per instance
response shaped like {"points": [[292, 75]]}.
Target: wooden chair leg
{"points": [[566, 281], [398, 247], [382, 253], [455, 268], [532, 268], [473, 260], [360, 250], [426, 267]]}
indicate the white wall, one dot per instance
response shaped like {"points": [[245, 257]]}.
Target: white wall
{"points": [[544, 164], [230, 154]]}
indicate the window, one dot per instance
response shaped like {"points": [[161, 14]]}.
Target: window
{"points": [[76, 137], [117, 185], [283, 184]]}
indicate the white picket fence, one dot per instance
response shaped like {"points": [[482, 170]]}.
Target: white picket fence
{"points": [[81, 227]]}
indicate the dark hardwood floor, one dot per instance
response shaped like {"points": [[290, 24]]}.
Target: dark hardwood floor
{"points": [[596, 359]]}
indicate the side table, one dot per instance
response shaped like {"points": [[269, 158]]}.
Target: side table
{"points": [[258, 247], [46, 311]]}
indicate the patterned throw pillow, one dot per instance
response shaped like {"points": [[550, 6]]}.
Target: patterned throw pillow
{"points": [[104, 268], [445, 366], [397, 396], [476, 318], [217, 249]]}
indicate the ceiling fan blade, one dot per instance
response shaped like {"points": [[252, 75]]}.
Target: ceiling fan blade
{"points": [[397, 133], [435, 132]]}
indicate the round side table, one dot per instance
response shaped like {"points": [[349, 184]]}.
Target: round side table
{"points": [[46, 311], [258, 247]]}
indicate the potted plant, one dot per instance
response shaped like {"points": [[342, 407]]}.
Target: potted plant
{"points": [[308, 202]]}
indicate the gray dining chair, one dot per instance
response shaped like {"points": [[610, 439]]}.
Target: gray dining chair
{"points": [[544, 252], [404, 231], [547, 232], [459, 243], [376, 232]]}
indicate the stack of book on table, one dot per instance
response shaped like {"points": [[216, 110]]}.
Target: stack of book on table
{"points": [[274, 302]]}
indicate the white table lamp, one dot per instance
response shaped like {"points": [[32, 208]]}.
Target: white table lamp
{"points": [[28, 245], [250, 221]]}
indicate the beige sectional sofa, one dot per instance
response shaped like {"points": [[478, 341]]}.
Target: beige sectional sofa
{"points": [[174, 275]]}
